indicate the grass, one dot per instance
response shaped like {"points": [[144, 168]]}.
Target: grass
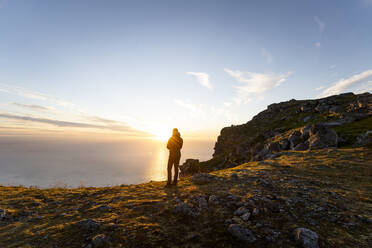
{"points": [[328, 191]]}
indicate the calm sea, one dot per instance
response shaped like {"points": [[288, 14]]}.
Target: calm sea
{"points": [[66, 163]]}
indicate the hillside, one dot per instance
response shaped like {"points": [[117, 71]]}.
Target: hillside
{"points": [[297, 174], [328, 191], [343, 120]]}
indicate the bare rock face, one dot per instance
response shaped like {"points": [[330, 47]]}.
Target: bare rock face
{"points": [[306, 238], [321, 136]]}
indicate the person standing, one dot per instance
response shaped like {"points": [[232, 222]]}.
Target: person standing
{"points": [[174, 146]]}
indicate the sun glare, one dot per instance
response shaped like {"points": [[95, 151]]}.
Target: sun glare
{"points": [[161, 133]]}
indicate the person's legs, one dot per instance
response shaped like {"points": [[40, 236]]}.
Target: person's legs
{"points": [[176, 164], [170, 163]]}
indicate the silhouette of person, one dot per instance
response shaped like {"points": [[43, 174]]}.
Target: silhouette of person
{"points": [[174, 146]]}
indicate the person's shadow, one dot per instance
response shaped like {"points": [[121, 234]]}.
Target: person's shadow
{"points": [[172, 192]]}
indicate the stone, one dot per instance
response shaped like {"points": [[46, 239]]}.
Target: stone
{"points": [[322, 136], [202, 178], [240, 211], [199, 201], [241, 233], [306, 238], [89, 224], [104, 207], [213, 200], [2, 214], [185, 209], [255, 211], [284, 144], [234, 176], [246, 216], [295, 139], [307, 118], [302, 146], [364, 139], [100, 240]]}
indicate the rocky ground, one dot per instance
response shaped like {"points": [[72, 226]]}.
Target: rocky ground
{"points": [[317, 198]]}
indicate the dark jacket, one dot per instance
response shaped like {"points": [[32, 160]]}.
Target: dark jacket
{"points": [[174, 144]]}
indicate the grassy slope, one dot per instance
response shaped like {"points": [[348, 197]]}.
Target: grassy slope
{"points": [[323, 190]]}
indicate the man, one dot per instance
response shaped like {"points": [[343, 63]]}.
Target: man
{"points": [[174, 146]]}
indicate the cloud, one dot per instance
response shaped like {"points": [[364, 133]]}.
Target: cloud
{"points": [[32, 106], [203, 78], [317, 44], [27, 93], [99, 119], [254, 83], [267, 55], [196, 108], [58, 123], [344, 84], [321, 25], [320, 88]]}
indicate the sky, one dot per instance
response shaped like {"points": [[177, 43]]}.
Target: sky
{"points": [[137, 69]]}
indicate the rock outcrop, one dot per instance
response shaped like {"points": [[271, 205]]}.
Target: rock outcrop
{"points": [[335, 121]]}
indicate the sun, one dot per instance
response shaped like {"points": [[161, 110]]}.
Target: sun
{"points": [[161, 133]]}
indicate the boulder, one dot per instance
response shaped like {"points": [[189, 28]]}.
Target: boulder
{"points": [[241, 233], [240, 211], [306, 238], [284, 144], [190, 167], [295, 139], [364, 139], [321, 136]]}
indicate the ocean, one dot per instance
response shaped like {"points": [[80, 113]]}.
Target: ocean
{"points": [[52, 162]]}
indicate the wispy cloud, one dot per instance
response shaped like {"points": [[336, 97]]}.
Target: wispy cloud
{"points": [[33, 106], [343, 84], [317, 44], [100, 119], [32, 94], [321, 25], [203, 78], [267, 55], [59, 123], [196, 108], [254, 83]]}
